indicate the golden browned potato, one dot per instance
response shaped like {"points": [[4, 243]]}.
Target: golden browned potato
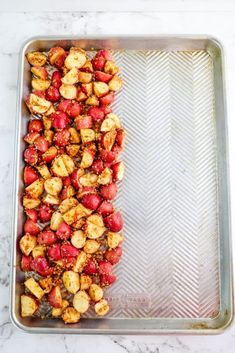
{"points": [[39, 250], [76, 58], [35, 189], [28, 305], [44, 171], [84, 77], [115, 83], [71, 281], [72, 150], [49, 134], [70, 316], [87, 135], [74, 135], [63, 165], [110, 67], [71, 77], [27, 243], [39, 84], [29, 202], [51, 200], [95, 226], [50, 111], [57, 312], [81, 302], [95, 292], [53, 186], [89, 179], [36, 58], [34, 288], [85, 282], [114, 239], [92, 100], [68, 91], [80, 262], [67, 204], [91, 246], [46, 284], [56, 220], [78, 239], [100, 88], [37, 104], [111, 122], [47, 122], [87, 159], [105, 177], [102, 307]]}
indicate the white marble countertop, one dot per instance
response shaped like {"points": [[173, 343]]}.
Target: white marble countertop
{"points": [[215, 18]]}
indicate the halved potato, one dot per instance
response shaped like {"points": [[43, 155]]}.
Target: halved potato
{"points": [[95, 226], [39, 84], [95, 292], [36, 188], [53, 186], [110, 67], [80, 262], [67, 204], [105, 177], [111, 122], [68, 91], [76, 58], [115, 83], [91, 246], [51, 200], [85, 282], [87, 135], [30, 203], [102, 307], [74, 135], [92, 100], [89, 179], [39, 250], [36, 58], [87, 159], [38, 104], [34, 288], [78, 239], [47, 122], [114, 239], [27, 243], [56, 312], [71, 281], [56, 220], [70, 316], [44, 171], [81, 302], [71, 77], [28, 305], [63, 165], [100, 88], [84, 77], [72, 150]]}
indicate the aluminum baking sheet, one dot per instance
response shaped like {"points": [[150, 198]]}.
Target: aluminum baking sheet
{"points": [[176, 271]]}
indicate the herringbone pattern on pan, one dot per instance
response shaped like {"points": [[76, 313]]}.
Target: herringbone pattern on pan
{"points": [[169, 196]]}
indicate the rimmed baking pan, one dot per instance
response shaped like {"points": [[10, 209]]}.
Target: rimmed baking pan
{"points": [[176, 272]]}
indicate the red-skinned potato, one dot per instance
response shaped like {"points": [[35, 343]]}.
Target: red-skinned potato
{"points": [[118, 171], [62, 137], [67, 192], [109, 192], [105, 209], [68, 250], [84, 77], [108, 156], [64, 231], [98, 63], [38, 93], [111, 68], [63, 105], [70, 77], [52, 94], [84, 190], [59, 120], [83, 122], [87, 88], [60, 61], [76, 58], [96, 113], [120, 137], [47, 237], [54, 54], [81, 96], [113, 255], [31, 137], [35, 125], [49, 134], [102, 76], [107, 279], [106, 109], [104, 53], [74, 135], [114, 222], [30, 175], [50, 154], [55, 297], [31, 227], [72, 150], [41, 266], [56, 79], [114, 240], [32, 214], [90, 267], [107, 99], [25, 263], [105, 177], [37, 105], [97, 166], [87, 67], [75, 177], [54, 252], [108, 139], [41, 144], [91, 201], [74, 109], [45, 213], [105, 267]]}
